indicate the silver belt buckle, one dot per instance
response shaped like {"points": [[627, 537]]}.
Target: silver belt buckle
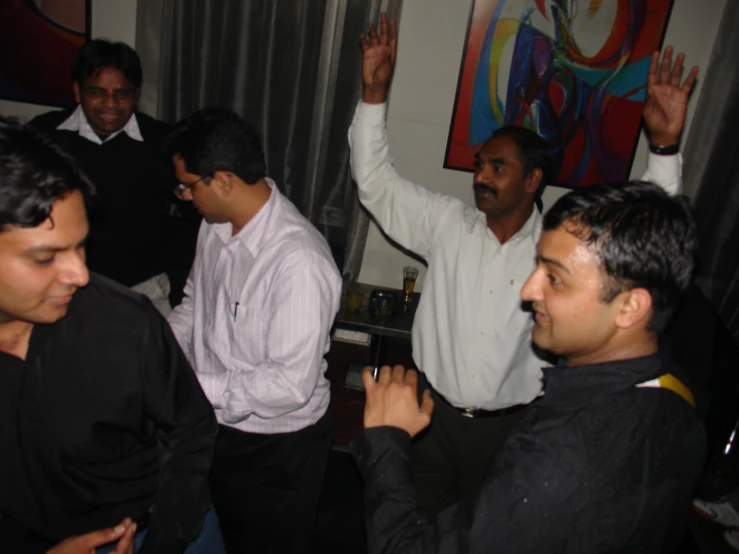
{"points": [[469, 412]]}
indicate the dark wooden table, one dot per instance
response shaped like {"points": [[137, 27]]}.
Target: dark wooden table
{"points": [[347, 405], [390, 344]]}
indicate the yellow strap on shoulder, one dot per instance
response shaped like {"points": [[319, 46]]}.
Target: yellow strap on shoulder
{"points": [[668, 381]]}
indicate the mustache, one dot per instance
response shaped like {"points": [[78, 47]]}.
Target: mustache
{"points": [[486, 188]]}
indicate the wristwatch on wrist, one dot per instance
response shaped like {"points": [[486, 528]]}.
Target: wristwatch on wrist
{"points": [[670, 150]]}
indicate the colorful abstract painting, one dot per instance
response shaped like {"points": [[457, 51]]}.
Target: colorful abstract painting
{"points": [[574, 71], [38, 39]]}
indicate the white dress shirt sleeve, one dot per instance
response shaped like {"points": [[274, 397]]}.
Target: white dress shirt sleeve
{"points": [[299, 313], [409, 213], [181, 319], [665, 171]]}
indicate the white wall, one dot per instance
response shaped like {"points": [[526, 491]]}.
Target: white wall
{"points": [[111, 19], [432, 34], [431, 41]]}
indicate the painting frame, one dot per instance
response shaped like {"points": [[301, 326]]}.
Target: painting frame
{"points": [[609, 137], [44, 36]]}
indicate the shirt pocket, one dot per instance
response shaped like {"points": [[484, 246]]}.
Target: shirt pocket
{"points": [[245, 334]]}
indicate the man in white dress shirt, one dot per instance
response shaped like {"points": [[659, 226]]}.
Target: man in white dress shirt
{"points": [[255, 322], [471, 337]]}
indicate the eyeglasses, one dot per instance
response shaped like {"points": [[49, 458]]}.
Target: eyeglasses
{"points": [[99, 95], [182, 187]]}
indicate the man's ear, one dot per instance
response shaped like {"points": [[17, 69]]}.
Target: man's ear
{"points": [[76, 90], [633, 307], [223, 183], [533, 179]]}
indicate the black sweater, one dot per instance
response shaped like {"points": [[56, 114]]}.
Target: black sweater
{"points": [[132, 237]]}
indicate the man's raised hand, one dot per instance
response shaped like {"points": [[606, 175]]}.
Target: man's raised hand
{"points": [[378, 60], [667, 99]]}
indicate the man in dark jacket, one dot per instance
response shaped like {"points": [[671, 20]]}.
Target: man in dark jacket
{"points": [[138, 229], [606, 459]]}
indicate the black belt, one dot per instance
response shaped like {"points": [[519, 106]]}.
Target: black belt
{"points": [[479, 412]]}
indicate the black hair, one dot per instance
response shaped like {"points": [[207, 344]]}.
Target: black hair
{"points": [[534, 153], [643, 237], [216, 139], [99, 54], [35, 172]]}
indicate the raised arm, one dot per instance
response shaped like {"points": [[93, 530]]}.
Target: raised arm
{"points": [[664, 117], [409, 213]]}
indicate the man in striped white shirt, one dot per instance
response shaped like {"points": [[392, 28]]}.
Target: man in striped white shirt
{"points": [[255, 324]]}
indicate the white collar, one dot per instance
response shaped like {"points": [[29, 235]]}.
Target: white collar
{"points": [[78, 122]]}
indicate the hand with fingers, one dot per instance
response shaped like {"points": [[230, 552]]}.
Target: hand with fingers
{"points": [[378, 60], [392, 400], [124, 533], [667, 99]]}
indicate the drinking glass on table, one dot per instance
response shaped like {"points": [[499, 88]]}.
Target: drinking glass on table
{"points": [[409, 282], [354, 298]]}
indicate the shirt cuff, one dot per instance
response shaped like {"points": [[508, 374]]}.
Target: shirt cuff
{"points": [[371, 113], [659, 167], [214, 386], [376, 443]]}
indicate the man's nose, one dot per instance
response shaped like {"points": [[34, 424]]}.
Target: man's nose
{"points": [[74, 270], [110, 101], [531, 289]]}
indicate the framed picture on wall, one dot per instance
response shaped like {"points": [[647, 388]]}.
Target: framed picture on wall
{"points": [[39, 39], [575, 72]]}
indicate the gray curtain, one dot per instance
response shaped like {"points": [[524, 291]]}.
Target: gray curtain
{"points": [[712, 172], [291, 68]]}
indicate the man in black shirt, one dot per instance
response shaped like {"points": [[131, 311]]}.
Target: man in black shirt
{"points": [[101, 416], [138, 229], [607, 458]]}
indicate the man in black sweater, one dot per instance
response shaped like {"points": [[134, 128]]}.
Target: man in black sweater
{"points": [[138, 228], [606, 459]]}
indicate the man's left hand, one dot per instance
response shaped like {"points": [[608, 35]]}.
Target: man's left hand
{"points": [[393, 400], [667, 99], [124, 533]]}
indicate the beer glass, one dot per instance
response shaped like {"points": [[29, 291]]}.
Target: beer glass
{"points": [[409, 282], [354, 298]]}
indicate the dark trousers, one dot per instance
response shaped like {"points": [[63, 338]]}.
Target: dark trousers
{"points": [[452, 457], [265, 488]]}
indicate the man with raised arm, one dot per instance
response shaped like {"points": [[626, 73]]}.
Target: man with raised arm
{"points": [[471, 339]]}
